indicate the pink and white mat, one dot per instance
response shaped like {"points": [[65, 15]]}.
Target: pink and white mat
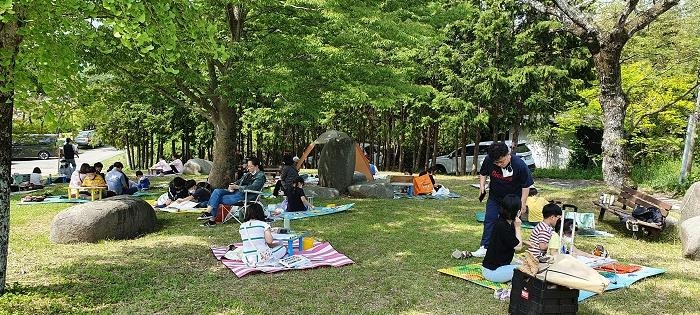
{"points": [[322, 254]]}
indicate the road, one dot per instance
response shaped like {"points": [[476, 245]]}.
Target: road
{"points": [[50, 166]]}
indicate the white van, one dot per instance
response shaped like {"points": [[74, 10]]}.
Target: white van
{"points": [[447, 164]]}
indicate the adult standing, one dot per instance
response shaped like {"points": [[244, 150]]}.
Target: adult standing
{"points": [[69, 152], [509, 175], [287, 176]]}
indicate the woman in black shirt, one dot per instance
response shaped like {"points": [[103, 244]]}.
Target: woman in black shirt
{"points": [[296, 199], [505, 240]]}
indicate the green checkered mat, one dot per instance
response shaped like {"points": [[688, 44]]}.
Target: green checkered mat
{"points": [[472, 273], [481, 216]]}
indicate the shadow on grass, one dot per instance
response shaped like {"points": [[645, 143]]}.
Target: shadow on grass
{"points": [[397, 246]]}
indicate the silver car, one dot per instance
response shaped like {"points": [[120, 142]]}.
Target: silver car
{"points": [[87, 138], [447, 164]]}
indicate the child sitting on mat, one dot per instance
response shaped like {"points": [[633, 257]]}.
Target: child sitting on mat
{"points": [[564, 244], [296, 199], [258, 245], [504, 241], [539, 239]]}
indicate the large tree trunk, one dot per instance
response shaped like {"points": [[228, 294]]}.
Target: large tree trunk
{"points": [[614, 104], [9, 47], [225, 134]]}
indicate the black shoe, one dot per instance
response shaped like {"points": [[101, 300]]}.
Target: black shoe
{"points": [[208, 223], [205, 216]]}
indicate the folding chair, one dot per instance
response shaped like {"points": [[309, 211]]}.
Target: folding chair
{"points": [[239, 213]]}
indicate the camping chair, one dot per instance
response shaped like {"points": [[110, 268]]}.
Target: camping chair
{"points": [[239, 212]]}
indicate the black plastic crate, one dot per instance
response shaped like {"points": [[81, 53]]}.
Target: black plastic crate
{"points": [[533, 296]]}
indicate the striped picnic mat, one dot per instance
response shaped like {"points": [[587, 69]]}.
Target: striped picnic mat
{"points": [[323, 254]]}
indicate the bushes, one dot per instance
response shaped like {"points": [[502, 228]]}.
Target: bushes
{"points": [[663, 175], [569, 173], [659, 175]]}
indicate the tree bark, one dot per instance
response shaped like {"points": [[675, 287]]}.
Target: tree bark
{"points": [[9, 46], [475, 154], [224, 160], [614, 104], [463, 146]]}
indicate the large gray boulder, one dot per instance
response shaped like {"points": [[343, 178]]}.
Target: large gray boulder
{"points": [[372, 190], [321, 192], [358, 178], [197, 167], [690, 206], [120, 217], [690, 238], [336, 163]]}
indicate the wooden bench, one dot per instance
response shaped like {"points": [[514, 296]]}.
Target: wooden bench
{"points": [[625, 203]]}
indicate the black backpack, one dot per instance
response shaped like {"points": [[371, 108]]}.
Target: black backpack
{"points": [[650, 214]]}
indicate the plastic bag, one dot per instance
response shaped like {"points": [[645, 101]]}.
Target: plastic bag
{"points": [[565, 270]]}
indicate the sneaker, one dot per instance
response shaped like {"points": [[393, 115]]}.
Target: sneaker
{"points": [[481, 252], [505, 295], [460, 254], [205, 216], [208, 223]]}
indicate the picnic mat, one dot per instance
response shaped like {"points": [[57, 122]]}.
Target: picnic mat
{"points": [[22, 192], [481, 216], [438, 197], [317, 211], [175, 210], [54, 200], [143, 194], [593, 233], [472, 273], [323, 254], [618, 281]]}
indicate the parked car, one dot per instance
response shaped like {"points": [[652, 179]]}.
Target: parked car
{"points": [[447, 164], [88, 138], [42, 146]]}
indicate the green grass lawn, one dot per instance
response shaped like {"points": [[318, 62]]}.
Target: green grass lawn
{"points": [[397, 245]]}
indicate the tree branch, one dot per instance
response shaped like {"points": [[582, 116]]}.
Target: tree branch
{"points": [[560, 16], [585, 4], [631, 5], [576, 16], [647, 16], [664, 107]]}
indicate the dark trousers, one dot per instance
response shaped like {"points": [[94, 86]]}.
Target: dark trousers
{"points": [[492, 208]]}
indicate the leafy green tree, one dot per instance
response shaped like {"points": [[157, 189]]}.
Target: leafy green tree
{"points": [[659, 75], [605, 37]]}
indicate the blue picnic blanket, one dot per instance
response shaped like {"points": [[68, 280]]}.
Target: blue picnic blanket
{"points": [[439, 197], [618, 281], [56, 199], [317, 211], [480, 216]]}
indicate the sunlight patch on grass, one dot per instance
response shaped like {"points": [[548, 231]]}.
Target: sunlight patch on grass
{"points": [[397, 245]]}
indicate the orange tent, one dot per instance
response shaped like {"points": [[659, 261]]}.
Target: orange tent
{"points": [[361, 161]]}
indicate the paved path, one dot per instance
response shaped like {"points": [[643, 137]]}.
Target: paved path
{"points": [[50, 166]]}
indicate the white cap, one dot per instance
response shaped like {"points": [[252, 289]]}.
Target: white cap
{"points": [[296, 158]]}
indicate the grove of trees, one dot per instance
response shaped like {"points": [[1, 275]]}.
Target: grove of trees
{"points": [[210, 78]]}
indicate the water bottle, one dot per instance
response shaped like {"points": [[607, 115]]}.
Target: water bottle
{"points": [[286, 222]]}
